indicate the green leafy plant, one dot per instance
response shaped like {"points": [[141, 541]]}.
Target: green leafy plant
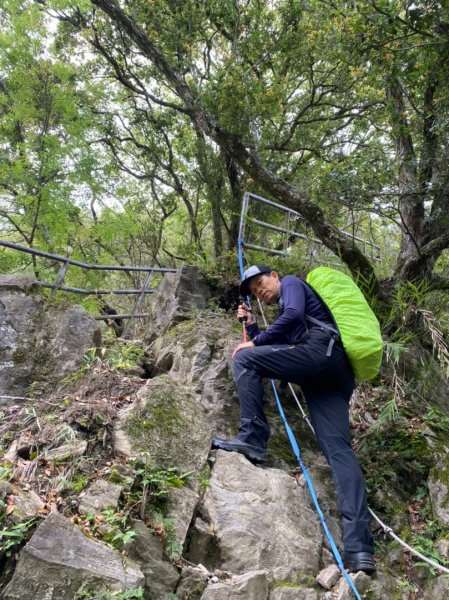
{"points": [[91, 358], [426, 546], [123, 356], [439, 346], [12, 536], [112, 527], [438, 421], [394, 350], [165, 527], [116, 355], [395, 454], [76, 484], [66, 434], [403, 585], [153, 484], [407, 298], [5, 471]]}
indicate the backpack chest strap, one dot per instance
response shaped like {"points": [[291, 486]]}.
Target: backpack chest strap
{"points": [[335, 334]]}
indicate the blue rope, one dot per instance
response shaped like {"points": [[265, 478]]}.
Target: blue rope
{"points": [[297, 452]]}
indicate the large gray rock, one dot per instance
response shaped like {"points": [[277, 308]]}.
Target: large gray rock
{"points": [[178, 295], [192, 583], [146, 549], [181, 507], [250, 586], [438, 588], [197, 353], [59, 561], [256, 519], [39, 344], [380, 587], [438, 483], [100, 496], [361, 583], [293, 593], [166, 421], [18, 283], [27, 504]]}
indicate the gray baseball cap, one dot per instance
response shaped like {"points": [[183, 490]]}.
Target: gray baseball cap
{"points": [[249, 274]]}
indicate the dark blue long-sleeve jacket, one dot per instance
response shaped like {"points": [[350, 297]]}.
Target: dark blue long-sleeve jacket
{"points": [[296, 300]]}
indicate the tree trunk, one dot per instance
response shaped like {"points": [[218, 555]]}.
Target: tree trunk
{"points": [[411, 205], [213, 179], [291, 196]]}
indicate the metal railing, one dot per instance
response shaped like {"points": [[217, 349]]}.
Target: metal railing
{"points": [[57, 285], [315, 244]]}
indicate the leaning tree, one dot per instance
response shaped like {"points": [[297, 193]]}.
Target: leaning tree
{"points": [[284, 88]]}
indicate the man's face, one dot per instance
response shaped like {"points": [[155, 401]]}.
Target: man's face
{"points": [[266, 287]]}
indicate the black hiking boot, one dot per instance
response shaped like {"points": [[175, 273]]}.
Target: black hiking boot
{"points": [[359, 561], [255, 454]]}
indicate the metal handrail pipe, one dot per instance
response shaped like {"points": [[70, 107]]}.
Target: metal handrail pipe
{"points": [[77, 263], [274, 204], [263, 249], [294, 212], [282, 230], [66, 288]]}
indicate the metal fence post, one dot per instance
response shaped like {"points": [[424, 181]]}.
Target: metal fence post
{"points": [[60, 278]]}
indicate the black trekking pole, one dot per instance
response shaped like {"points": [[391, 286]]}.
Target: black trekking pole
{"points": [[243, 321]]}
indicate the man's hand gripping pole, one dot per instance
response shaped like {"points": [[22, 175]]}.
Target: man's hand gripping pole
{"points": [[244, 319]]}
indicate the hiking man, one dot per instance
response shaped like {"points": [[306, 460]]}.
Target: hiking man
{"points": [[299, 351]]}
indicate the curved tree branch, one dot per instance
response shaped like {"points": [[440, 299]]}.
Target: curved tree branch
{"points": [[250, 162]]}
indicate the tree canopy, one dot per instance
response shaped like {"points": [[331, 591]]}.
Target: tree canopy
{"points": [[146, 121]]}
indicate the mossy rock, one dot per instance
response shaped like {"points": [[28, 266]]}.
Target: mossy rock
{"points": [[169, 423]]}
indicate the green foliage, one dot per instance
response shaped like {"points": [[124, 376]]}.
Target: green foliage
{"points": [[6, 471], [116, 355], [153, 484], [407, 297], [78, 484], [438, 421], [204, 477], [394, 453], [426, 546], [90, 359], [107, 171], [395, 350], [172, 545], [112, 527], [13, 535], [404, 585], [123, 356]]}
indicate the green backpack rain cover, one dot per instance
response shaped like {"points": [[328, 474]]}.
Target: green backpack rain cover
{"points": [[358, 325]]}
